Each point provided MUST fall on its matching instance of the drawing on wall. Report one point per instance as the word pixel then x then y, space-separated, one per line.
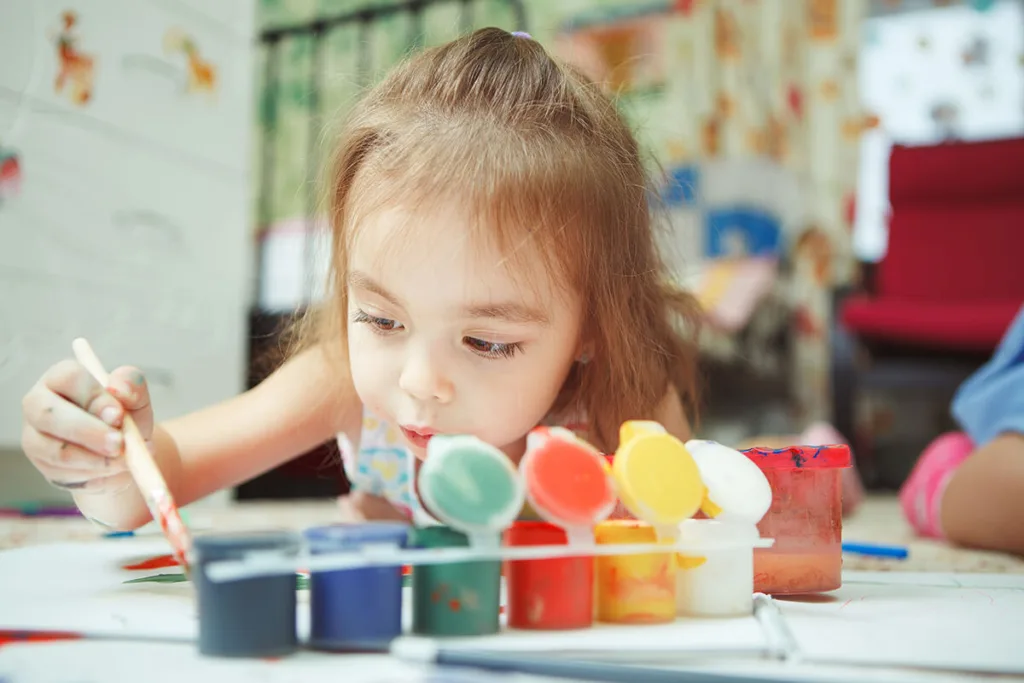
pixel 75 69
pixel 10 174
pixel 201 75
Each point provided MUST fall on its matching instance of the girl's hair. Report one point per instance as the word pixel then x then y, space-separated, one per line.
pixel 551 171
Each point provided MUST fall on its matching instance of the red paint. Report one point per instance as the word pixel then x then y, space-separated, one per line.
pixel 158 562
pixel 567 480
pixel 551 594
pixel 800 457
pixel 8 637
pixel 454 605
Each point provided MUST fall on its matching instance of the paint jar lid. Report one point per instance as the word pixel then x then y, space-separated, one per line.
pixel 469 485
pixel 736 488
pixel 217 547
pixel 833 456
pixel 658 481
pixel 337 537
pixel 568 482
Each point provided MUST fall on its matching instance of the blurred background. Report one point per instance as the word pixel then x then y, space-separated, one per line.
pixel 842 186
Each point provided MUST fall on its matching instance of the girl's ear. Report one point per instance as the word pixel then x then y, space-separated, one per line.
pixel 584 352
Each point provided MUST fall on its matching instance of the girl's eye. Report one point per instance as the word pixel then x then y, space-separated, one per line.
pixel 492 349
pixel 378 324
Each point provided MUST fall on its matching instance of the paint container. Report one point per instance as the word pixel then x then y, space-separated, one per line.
pixel 355 609
pixel 718 582
pixel 458 598
pixel 656 478
pixel 634 589
pixel 470 486
pixel 252 617
pixel 805 519
pixel 568 482
pixel 551 594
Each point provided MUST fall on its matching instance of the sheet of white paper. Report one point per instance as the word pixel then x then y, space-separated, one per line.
pixel 899 624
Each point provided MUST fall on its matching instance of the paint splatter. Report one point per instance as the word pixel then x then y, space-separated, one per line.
pixel 160 578
pixel 8 637
pixel 454 605
pixel 157 562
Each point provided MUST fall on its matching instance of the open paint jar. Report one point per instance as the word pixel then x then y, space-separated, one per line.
pixel 355 609
pixel 718 582
pixel 454 599
pixel 805 519
pixel 634 589
pixel 549 594
pixel 253 617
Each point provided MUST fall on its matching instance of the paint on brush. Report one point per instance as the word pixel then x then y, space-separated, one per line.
pixel 252 617
pixel 356 609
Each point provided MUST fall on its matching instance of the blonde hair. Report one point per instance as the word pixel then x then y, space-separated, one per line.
pixel 545 161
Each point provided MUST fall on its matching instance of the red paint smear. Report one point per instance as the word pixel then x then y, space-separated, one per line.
pixel 8 637
pixel 454 605
pixel 158 562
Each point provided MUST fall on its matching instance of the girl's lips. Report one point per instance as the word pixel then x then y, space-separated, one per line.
pixel 418 437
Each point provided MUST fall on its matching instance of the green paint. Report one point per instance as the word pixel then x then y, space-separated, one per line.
pixel 301 582
pixel 457 599
pixel 473 487
pixel 177 577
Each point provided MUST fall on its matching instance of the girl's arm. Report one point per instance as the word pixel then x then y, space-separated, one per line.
pixel 298 407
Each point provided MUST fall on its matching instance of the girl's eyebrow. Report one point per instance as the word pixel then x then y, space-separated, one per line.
pixel 360 280
pixel 508 311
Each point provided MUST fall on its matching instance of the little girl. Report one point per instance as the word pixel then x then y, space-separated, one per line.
pixel 968 487
pixel 493 268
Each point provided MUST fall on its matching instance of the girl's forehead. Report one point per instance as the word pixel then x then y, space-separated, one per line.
pixel 442 247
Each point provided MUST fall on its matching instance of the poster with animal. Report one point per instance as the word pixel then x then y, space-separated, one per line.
pixel 200 74
pixel 75 67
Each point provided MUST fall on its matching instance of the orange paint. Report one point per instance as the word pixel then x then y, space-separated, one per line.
pixel 158 562
pixel 9 637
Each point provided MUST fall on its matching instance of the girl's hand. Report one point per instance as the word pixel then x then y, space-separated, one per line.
pixel 71 426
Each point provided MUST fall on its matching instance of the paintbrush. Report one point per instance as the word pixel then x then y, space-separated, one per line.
pixel 143 468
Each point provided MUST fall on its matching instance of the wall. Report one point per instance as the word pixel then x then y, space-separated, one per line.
pixel 124 198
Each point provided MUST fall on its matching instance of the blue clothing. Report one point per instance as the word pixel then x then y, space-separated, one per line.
pixel 991 401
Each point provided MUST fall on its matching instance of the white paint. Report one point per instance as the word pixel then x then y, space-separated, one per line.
pixel 735 483
pixel 723 586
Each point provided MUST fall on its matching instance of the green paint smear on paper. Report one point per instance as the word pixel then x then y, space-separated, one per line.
pixel 301 582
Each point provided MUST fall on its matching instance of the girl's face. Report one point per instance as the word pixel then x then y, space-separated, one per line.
pixel 444 340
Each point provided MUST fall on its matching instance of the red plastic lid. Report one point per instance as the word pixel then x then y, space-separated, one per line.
pixel 800 457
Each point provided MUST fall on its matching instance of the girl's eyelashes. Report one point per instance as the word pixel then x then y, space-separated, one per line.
pixel 492 349
pixel 481 347
pixel 378 324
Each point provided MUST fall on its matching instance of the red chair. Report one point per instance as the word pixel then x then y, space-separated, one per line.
pixel 935 307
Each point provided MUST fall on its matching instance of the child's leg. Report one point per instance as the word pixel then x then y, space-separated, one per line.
pixel 921 494
pixel 983 503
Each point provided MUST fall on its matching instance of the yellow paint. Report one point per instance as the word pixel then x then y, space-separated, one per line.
pixel 689 561
pixel 708 506
pixel 657 478
pixel 633 589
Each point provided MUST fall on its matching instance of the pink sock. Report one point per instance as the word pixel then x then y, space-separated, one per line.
pixel 921 493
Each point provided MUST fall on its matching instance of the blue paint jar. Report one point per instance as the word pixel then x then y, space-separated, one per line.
pixel 252 617
pixel 355 609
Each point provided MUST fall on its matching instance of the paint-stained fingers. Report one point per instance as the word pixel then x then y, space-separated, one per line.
pixel 129 386
pixel 44 449
pixel 53 415
pixel 72 381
